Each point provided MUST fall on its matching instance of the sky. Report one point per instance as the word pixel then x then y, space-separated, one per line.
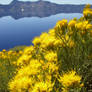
pixel 55 1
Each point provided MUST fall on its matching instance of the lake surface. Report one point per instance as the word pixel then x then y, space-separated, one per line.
pixel 22 31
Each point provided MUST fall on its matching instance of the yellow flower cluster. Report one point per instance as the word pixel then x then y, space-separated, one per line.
pixel 87 11
pixel 41 64
pixel 7 66
pixel 72 23
pixel 11 55
pixel 34 74
pixel 47 40
pixel 30 78
pixel 51 57
pixel 70 79
pixel 43 87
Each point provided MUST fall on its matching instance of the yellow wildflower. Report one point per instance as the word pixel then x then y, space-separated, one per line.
pixel 52 67
pixel 70 79
pixel 51 56
pixel 87 12
pixel 24 59
pixel 48 41
pixel 18 85
pixel 72 23
pixel 43 35
pixel 4 50
pixel 43 87
pixel 89 26
pixel 36 41
pixel 81 25
pixel 29 50
pixel 62 23
pixel 10 52
pixel 52 32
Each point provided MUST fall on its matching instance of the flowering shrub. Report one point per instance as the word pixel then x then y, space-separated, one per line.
pixel 55 62
pixel 59 60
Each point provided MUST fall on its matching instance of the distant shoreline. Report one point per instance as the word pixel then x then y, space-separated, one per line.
pixel 20 9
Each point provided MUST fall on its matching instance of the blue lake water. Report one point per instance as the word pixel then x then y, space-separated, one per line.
pixel 22 31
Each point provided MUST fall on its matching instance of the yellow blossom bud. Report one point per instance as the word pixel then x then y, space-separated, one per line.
pixel 72 23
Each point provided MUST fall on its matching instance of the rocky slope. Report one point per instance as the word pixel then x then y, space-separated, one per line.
pixel 18 9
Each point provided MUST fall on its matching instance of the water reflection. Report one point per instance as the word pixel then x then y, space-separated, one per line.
pixel 21 32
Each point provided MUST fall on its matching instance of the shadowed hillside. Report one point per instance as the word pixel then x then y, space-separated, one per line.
pixel 19 9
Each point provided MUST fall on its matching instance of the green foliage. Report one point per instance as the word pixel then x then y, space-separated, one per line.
pixel 18 48
pixel 7 68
